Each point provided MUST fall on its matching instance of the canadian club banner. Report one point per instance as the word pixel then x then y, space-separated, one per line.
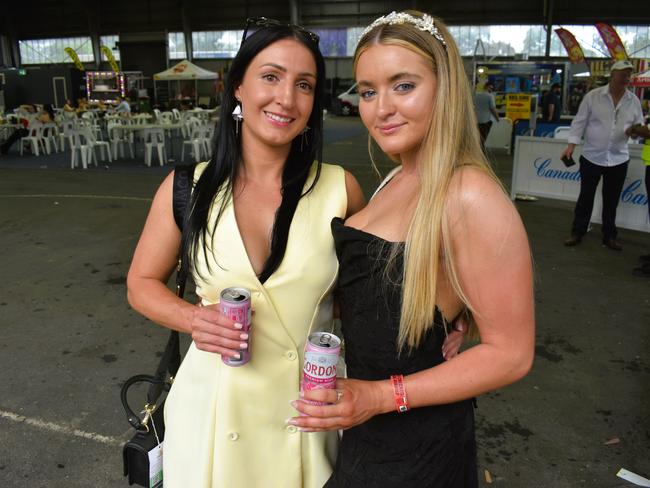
pixel 612 41
pixel 110 58
pixel 571 45
pixel 75 59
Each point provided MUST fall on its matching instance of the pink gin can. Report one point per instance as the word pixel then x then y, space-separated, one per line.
pixel 235 303
pixel 321 358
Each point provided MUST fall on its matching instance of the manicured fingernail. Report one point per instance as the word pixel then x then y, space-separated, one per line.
pixel 243 337
pixel 236 356
pixel 292 422
pixel 294 404
pixel 304 429
pixel 243 345
pixel 302 394
pixel 238 326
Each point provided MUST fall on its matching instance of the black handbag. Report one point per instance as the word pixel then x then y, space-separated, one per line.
pixel 144 447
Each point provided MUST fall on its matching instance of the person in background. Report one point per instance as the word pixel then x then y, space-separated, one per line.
pixel 643 131
pixel 123 107
pixel 603 118
pixel 28 111
pixel 46 115
pixel 440 239
pixel 551 104
pixel 82 105
pixel 486 112
pixel 68 107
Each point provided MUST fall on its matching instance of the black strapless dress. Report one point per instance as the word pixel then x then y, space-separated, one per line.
pixel 429 447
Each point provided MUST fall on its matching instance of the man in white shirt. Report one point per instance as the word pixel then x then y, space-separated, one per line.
pixel 603 118
pixel 485 111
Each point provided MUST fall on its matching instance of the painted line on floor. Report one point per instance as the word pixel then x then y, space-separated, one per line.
pixel 109 197
pixel 61 429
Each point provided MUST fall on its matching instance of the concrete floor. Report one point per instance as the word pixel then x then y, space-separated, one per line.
pixel 68 338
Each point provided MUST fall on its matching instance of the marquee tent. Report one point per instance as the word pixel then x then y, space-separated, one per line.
pixel 184 71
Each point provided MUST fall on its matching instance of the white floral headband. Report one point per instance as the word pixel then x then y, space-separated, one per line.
pixel 425 23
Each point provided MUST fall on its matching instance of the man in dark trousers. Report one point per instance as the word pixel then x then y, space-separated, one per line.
pixel 603 118
pixel 551 104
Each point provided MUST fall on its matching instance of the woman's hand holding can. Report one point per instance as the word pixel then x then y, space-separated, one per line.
pixel 213 331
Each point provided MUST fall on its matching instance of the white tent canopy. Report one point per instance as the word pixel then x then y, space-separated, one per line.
pixel 185 71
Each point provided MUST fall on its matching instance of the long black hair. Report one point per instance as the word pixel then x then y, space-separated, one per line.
pixel 221 172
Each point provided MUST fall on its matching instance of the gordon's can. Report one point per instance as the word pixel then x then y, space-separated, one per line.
pixel 235 303
pixel 321 358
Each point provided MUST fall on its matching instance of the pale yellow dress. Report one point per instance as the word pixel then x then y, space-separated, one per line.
pixel 225 426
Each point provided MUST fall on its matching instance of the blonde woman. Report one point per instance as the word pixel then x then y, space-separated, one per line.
pixel 440 239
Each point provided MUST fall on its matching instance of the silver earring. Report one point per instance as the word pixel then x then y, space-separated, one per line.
pixel 238 116
pixel 303 138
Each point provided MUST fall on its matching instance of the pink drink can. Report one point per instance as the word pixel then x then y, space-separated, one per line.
pixel 235 303
pixel 321 358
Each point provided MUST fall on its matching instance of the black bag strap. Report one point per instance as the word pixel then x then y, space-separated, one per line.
pixel 183 176
pixel 171 358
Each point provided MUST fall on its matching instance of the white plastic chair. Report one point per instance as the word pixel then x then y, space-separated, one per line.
pixel 119 138
pixel 195 141
pixel 80 146
pixel 34 140
pixel 66 126
pixel 154 138
pixel 207 135
pixel 92 141
pixel 50 136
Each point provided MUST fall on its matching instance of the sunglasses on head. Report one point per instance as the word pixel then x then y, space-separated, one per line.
pixel 253 24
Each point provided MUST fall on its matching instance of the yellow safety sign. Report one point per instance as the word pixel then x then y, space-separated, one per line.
pixel 518 106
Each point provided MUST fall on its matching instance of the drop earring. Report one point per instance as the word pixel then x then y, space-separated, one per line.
pixel 238 116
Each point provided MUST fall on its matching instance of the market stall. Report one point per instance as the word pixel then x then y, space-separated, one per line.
pixel 106 86
pixel 184 71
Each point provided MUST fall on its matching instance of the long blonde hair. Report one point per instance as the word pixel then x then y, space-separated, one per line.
pixel 452 141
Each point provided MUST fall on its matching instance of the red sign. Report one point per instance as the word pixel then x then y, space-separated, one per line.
pixel 571 45
pixel 612 41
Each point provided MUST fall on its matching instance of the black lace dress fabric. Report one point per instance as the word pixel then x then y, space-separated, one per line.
pixel 429 447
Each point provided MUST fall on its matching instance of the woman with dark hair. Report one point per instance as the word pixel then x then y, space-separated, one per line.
pixel 46 115
pixel 259 218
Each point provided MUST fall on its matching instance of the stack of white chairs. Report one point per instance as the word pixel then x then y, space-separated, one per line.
pixel 156 115
pixel 154 138
pixel 206 139
pixel 67 126
pixel 196 140
pixel 81 148
pixel 33 140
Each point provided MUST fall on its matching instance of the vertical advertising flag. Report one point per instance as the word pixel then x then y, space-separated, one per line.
pixel 573 49
pixel 612 41
pixel 75 59
pixel 110 58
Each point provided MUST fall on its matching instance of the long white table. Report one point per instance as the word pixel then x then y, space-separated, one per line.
pixel 537 170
